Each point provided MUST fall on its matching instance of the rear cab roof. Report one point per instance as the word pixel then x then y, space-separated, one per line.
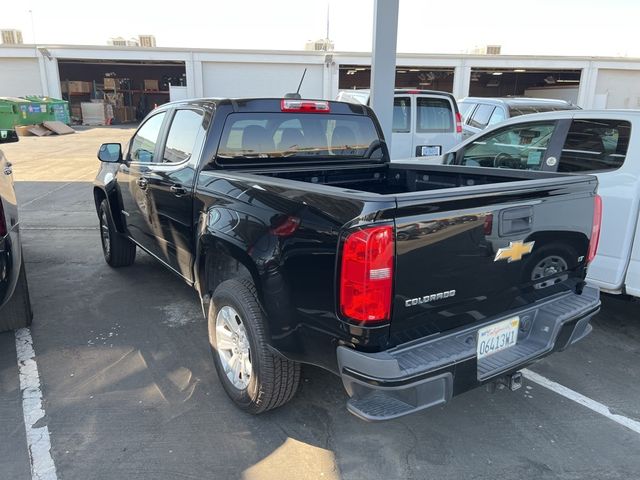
pixel 268 104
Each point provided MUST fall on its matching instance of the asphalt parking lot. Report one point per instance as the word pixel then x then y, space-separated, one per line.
pixel 130 391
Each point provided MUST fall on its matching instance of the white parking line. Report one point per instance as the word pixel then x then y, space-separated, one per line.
pixel 46 194
pixel 38 441
pixel 582 400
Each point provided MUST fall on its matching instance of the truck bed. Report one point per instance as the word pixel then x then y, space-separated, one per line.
pixel 450 222
pixel 400 178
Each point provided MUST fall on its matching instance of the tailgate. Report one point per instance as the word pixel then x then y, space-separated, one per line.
pixel 466 255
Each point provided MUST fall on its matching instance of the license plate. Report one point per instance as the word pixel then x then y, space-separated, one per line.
pixel 497 337
pixel 430 150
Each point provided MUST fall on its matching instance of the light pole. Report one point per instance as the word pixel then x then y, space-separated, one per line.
pixel 33 28
pixel 383 62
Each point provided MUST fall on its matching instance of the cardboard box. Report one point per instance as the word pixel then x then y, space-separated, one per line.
pixel 111 83
pixel 151 85
pixel 124 114
pixel 75 86
pixel 24 130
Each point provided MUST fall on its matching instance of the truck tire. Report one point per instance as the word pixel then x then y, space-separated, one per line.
pixel 17 312
pixel 254 377
pixel 118 250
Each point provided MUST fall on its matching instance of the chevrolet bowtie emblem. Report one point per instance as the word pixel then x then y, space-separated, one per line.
pixel 514 252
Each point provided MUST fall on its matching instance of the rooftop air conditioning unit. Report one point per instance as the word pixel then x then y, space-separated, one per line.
pixel 147 41
pixel 11 37
pixel 118 42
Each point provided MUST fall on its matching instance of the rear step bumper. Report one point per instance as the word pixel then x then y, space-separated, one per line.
pixel 429 372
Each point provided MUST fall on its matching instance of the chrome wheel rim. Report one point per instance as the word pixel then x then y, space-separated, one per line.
pixel 546 267
pixel 104 233
pixel 232 345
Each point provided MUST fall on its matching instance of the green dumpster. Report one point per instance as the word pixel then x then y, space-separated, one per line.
pixel 14 111
pixel 36 111
pixel 51 108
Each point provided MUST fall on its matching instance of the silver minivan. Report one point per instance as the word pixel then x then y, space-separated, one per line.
pixel 426 123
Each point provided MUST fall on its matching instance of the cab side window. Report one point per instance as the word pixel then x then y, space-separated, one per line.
pixel 186 127
pixel 595 145
pixel 520 146
pixel 143 144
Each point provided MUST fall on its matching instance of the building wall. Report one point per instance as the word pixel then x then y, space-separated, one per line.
pixel 618 89
pixel 570 94
pixel 228 79
pixel 604 82
pixel 19 77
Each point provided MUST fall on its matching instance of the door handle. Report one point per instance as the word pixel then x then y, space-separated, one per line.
pixel 516 220
pixel 143 183
pixel 178 190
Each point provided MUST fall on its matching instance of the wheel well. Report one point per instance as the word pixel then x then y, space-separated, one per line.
pixel 218 264
pixel 578 241
pixel 98 196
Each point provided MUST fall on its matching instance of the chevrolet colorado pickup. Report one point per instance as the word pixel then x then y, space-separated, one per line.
pixel 413 283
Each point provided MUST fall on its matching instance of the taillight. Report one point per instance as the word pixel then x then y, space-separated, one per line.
pixel 595 228
pixel 3 223
pixel 294 105
pixel 458 122
pixel 366 274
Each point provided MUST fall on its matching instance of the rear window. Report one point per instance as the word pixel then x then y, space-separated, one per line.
pixel 401 115
pixel 595 145
pixel 517 110
pixel 434 115
pixel 260 136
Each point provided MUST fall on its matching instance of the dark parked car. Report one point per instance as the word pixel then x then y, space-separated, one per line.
pixel 479 112
pixel 15 306
pixel 307 245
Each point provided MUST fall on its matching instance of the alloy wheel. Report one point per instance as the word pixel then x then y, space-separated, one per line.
pixel 232 345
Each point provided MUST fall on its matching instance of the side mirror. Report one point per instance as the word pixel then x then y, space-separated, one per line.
pixel 110 153
pixel 8 136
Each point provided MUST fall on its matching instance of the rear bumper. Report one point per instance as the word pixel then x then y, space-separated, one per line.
pixel 430 372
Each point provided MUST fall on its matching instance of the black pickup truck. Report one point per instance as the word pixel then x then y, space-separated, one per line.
pixel 413 283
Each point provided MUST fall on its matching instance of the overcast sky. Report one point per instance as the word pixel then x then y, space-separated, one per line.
pixel 544 27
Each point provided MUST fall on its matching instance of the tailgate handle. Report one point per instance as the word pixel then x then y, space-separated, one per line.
pixel 516 220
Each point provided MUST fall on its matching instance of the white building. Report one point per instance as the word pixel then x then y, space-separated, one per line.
pixel 591 81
